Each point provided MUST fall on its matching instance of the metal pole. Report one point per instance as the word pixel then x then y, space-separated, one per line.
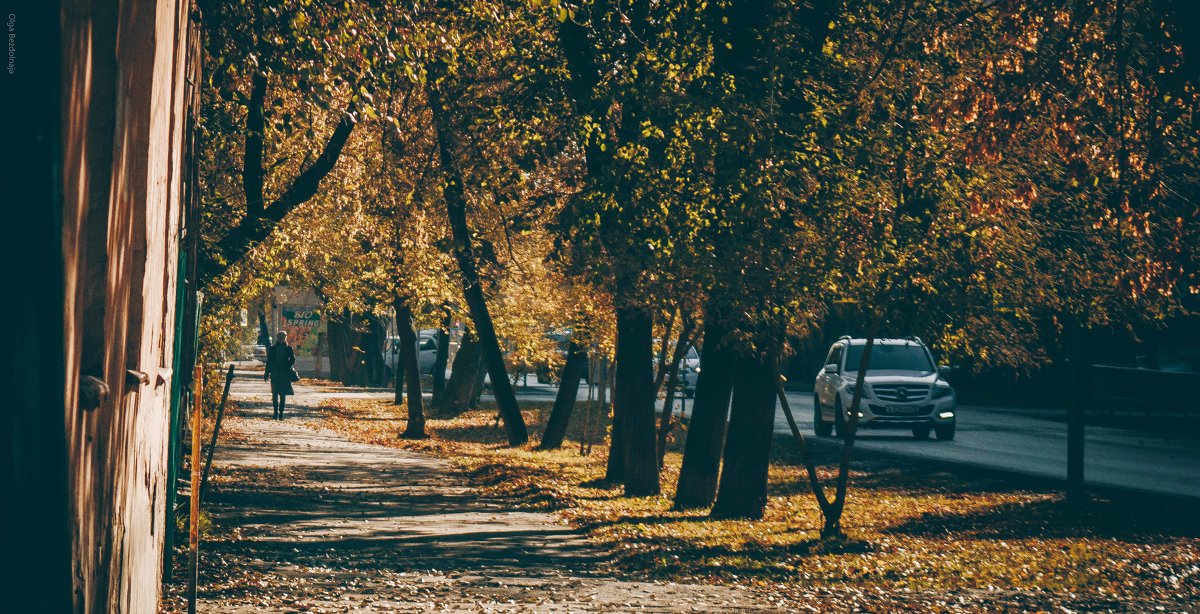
pixel 1076 495
pixel 194 532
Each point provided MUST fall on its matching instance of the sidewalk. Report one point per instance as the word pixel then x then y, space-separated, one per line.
pixel 307 521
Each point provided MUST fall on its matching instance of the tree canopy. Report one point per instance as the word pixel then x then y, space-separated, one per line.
pixel 980 173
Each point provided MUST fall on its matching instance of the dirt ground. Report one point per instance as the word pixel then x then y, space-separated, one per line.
pixel 304 520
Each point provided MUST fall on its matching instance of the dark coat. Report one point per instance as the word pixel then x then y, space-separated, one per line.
pixel 280 361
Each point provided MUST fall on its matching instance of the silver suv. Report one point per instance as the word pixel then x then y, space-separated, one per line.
pixel 902 389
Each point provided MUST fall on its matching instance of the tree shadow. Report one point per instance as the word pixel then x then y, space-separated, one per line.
pixel 600 484
pixel 1144 519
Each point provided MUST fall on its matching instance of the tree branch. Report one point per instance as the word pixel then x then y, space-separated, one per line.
pixel 252 158
pixel 254 229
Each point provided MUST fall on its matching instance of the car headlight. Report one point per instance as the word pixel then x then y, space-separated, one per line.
pixel 942 391
pixel 850 389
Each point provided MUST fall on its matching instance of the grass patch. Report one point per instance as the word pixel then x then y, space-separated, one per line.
pixel 912 524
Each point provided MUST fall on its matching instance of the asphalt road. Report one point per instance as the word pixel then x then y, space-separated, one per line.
pixel 1023 442
pixel 1019 441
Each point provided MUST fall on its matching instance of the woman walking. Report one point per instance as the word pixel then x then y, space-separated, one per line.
pixel 281 361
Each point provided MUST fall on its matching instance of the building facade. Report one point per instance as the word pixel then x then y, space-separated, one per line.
pixel 129 72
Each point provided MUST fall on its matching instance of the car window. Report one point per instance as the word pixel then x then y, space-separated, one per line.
pixel 693 354
pixel 835 356
pixel 428 344
pixel 891 357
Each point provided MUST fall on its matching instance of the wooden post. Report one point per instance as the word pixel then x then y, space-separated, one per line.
pixel 212 447
pixel 194 524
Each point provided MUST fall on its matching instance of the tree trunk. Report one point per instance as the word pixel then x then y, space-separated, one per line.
pixel 409 362
pixel 665 422
pixel 564 402
pixel 340 354
pixel 264 335
pixel 441 358
pixel 634 394
pixel 832 527
pixel 261 219
pixel 373 343
pixel 456 212
pixel 477 390
pixel 463 375
pixel 743 486
pixel 706 430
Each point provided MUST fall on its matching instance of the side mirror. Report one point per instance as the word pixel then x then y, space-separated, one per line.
pixel 944 370
pixel 831 369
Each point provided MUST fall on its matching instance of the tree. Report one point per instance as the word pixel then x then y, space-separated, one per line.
pixel 762 151
pixel 630 231
pixel 258 55
pixel 492 135
pixel 415 428
pixel 706 431
pixel 456 211
pixel 564 400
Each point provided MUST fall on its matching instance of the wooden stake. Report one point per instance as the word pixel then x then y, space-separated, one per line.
pixel 212 447
pixel 194 524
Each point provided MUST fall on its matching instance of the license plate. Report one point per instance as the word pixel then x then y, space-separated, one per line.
pixel 903 409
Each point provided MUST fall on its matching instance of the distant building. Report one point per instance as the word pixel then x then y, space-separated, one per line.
pixel 298 311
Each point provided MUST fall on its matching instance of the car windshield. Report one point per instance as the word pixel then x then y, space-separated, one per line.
pixel 693 354
pixel 891 357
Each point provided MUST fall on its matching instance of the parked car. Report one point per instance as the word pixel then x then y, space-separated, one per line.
pixel 253 351
pixel 689 368
pixel 426 353
pixel 902 389
pixel 690 372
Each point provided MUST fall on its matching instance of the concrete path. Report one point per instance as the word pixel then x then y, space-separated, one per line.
pixel 307 521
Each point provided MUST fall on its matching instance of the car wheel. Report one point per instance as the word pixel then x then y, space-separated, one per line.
pixel 839 420
pixel 921 432
pixel 820 426
pixel 945 432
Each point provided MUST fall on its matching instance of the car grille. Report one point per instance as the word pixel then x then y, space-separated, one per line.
pixel 900 392
pixel 910 410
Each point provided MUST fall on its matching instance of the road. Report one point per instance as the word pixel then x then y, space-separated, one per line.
pixel 1022 442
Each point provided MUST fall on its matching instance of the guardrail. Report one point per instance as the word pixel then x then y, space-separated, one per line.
pixel 1130 389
